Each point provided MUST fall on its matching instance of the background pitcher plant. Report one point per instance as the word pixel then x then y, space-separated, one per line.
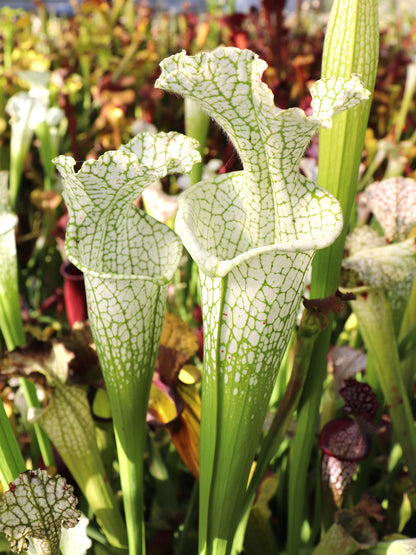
pixel 253 234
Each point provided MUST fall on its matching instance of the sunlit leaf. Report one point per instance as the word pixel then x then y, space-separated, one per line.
pixel 178 335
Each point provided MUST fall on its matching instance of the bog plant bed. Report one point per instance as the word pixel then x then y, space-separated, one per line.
pixel 208 331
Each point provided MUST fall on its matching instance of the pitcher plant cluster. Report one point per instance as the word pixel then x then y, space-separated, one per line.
pixel 251 236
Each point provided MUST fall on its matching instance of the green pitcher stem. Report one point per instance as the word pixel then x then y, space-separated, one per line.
pixel 234 397
pixel 11 459
pixel 408 364
pixel 32 401
pixel 350 47
pixel 196 125
pixel 69 424
pixel 376 325
pixel 129 420
pixel 128 380
pixel 47 153
pixel 11 324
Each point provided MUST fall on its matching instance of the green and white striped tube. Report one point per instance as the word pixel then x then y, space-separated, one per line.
pixel 252 234
pixel 127 259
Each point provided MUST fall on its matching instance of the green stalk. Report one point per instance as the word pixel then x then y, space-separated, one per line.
pixel 376 325
pixel 191 511
pixel 304 441
pixel 32 401
pixel 20 141
pixel 68 422
pixel 8 28
pixel 11 324
pixel 103 424
pixel 311 325
pixel 409 92
pixel 47 153
pixel 407 337
pixel 11 461
pixel 129 409
pixel 26 110
pixel 196 126
pixel 351 47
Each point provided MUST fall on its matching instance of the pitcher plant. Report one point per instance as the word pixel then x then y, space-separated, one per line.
pixel 253 234
pixel 127 259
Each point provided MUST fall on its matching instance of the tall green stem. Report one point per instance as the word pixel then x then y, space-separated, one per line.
pixel 196 126
pixel 11 460
pixel 11 324
pixel 376 326
pixel 68 422
pixel 351 47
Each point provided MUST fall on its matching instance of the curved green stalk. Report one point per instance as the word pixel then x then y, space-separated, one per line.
pixel 376 326
pixel 382 272
pixel 350 47
pixel 127 259
pixel 253 235
pixel 44 446
pixel 11 459
pixel 196 125
pixel 408 336
pixel 409 92
pixel 47 134
pixel 11 324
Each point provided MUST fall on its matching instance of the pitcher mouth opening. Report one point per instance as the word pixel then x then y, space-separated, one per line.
pixel 160 278
pixel 69 271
